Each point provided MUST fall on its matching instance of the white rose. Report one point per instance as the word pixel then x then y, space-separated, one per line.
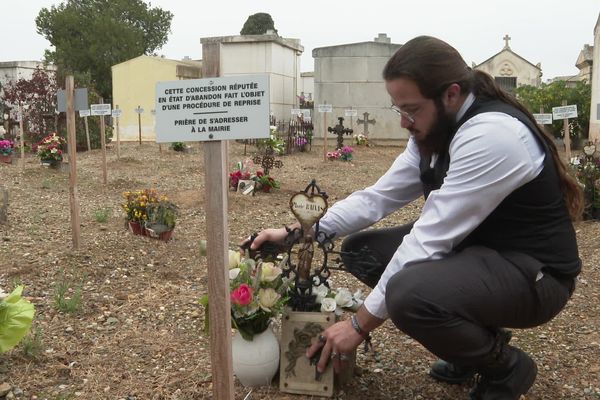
pixel 234 259
pixel 233 273
pixel 267 298
pixel 269 272
pixel 328 305
pixel 343 298
pixel 321 292
pixel 358 298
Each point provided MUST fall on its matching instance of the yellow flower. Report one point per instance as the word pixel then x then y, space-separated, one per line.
pixel 267 298
pixel 269 272
pixel 234 259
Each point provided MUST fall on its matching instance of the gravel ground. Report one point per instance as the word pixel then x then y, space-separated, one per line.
pixel 139 333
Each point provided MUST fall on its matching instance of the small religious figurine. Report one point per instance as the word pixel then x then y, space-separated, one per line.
pixel 305 256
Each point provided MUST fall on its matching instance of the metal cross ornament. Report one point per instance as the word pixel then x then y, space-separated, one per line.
pixel 340 131
pixel 267 162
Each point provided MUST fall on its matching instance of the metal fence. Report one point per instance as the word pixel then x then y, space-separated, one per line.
pixel 296 135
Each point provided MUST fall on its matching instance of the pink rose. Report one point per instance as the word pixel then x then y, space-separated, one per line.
pixel 242 295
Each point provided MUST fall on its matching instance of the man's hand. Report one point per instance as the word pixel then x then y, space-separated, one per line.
pixel 336 344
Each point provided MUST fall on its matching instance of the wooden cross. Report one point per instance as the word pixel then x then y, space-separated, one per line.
pixel 506 39
pixel 340 131
pixel 366 121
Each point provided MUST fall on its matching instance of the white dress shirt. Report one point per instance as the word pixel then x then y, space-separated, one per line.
pixel 491 155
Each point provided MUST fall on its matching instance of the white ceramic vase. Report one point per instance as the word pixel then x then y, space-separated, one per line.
pixel 255 362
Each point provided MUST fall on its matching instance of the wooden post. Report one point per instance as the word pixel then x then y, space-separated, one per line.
pixel 103 145
pixel 22 136
pixel 325 135
pixel 71 140
pixel 87 133
pixel 215 156
pixel 118 137
pixel 567 135
pixel 140 125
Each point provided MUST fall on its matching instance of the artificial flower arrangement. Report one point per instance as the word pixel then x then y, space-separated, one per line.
pixel 265 182
pixel 241 172
pixel 258 293
pixel 6 147
pixel 336 300
pixel 16 316
pixel 300 142
pixel 273 144
pixel 344 154
pixel 361 140
pixel 136 204
pixel 50 148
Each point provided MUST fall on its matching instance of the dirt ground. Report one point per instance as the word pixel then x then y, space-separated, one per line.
pixel 139 334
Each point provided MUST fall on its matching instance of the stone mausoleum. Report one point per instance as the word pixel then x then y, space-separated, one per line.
pixel 348 76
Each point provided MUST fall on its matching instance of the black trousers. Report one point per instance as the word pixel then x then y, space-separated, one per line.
pixel 454 306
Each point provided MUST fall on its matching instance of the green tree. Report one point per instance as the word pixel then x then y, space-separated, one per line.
pixel 552 95
pixel 90 36
pixel 258 24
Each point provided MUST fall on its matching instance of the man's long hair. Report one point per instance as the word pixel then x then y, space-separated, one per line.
pixel 434 65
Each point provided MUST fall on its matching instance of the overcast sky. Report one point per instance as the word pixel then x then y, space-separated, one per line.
pixel 551 32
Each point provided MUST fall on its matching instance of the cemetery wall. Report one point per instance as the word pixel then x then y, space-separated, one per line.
pixel 595 104
pixel 349 76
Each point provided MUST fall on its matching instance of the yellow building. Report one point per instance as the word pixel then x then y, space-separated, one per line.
pixel 134 85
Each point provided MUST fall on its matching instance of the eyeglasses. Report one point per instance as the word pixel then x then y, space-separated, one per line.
pixel 410 117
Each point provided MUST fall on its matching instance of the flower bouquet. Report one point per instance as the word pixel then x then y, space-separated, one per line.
pixel 240 173
pixel 336 300
pixel 346 153
pixel 300 142
pixel 160 220
pixel 257 293
pixel 136 208
pixel 361 140
pixel 265 182
pixel 6 149
pixel 50 149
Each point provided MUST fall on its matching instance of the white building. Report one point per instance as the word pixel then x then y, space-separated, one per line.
pixel 269 54
pixel 349 76
pixel 510 70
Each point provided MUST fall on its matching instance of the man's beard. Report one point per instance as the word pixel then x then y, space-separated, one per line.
pixel 436 140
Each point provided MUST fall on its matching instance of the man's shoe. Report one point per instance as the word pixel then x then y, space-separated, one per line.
pixel 507 378
pixel 444 371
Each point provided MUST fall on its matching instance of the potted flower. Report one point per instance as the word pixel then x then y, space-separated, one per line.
pixel 160 220
pixel 300 142
pixel 257 292
pixel 50 150
pixel 136 208
pixel 178 146
pixel 266 182
pixel 6 150
pixel 346 153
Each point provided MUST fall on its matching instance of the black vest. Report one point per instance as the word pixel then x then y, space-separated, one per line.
pixel 532 221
